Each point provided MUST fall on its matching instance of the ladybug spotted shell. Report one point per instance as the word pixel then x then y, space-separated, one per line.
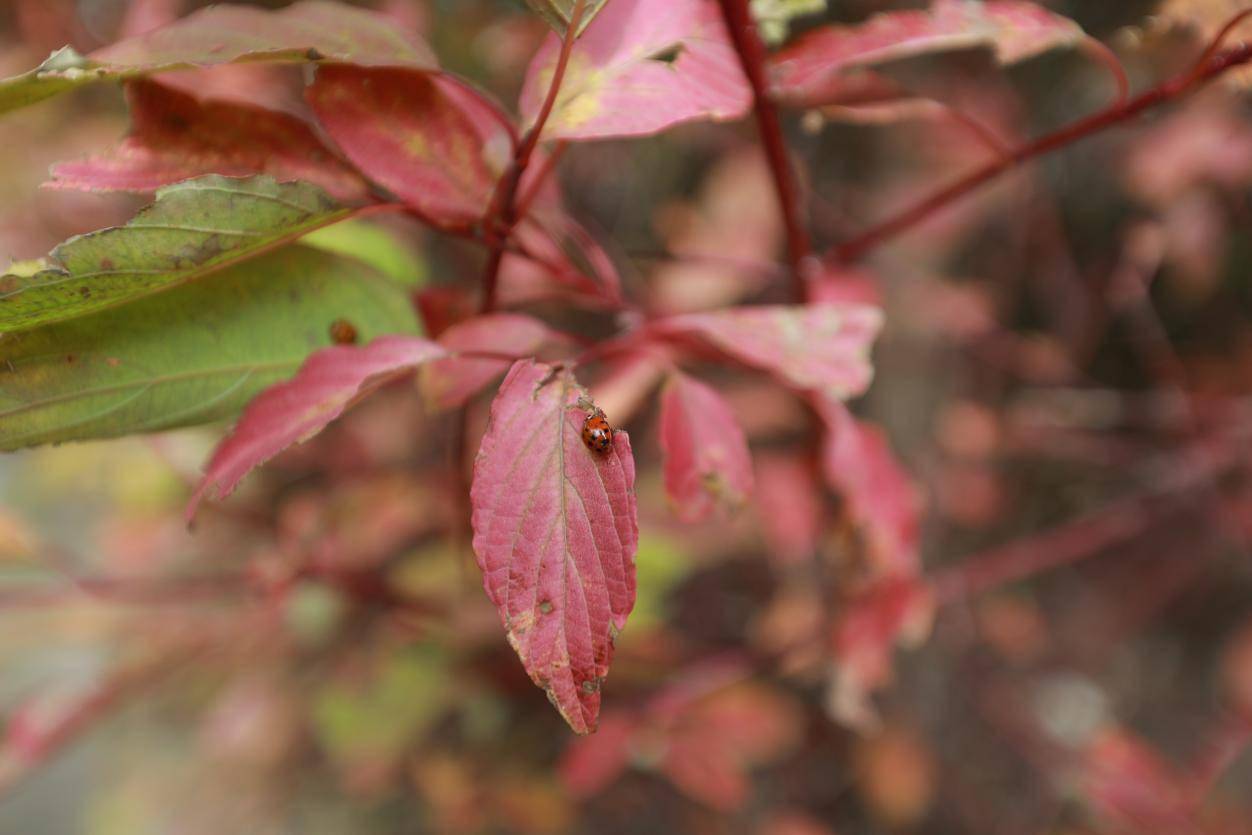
pixel 597 433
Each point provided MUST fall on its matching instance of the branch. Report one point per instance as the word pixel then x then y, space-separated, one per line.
pixel 747 42
pixel 1208 68
pixel 503 214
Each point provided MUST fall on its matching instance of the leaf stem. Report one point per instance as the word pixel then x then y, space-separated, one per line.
pixel 1211 66
pixel 503 214
pixel 751 51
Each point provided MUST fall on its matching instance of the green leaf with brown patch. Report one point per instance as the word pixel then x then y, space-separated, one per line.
pixel 194 228
pixel 195 354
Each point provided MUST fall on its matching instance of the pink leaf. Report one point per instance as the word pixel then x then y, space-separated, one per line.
pixel 789 502
pixel 818 67
pixel 1129 785
pixel 640 67
pixel 895 610
pixel 819 347
pixel 431 141
pixel 175 137
pixel 555 532
pixel 555 245
pixel 878 492
pixel 707 463
pixel 303 31
pixel 451 381
pixel 296 410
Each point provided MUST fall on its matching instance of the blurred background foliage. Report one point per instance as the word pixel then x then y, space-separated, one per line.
pixel 1073 343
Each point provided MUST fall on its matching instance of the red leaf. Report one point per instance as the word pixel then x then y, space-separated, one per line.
pixel 789 501
pixel 640 67
pixel 555 532
pixel 814 69
pixel 308 30
pixel 176 137
pixel 707 463
pixel 819 347
pixel 879 495
pixel 555 245
pixel 1128 784
pixel 450 382
pixel 592 763
pixel 897 610
pixel 429 140
pixel 293 411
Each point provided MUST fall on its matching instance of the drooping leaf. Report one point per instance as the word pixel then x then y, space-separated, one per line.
pixel 450 382
pixel 880 497
pixel 433 142
pixel 641 66
pixel 310 30
pixel 564 262
pixel 560 13
pixel 193 228
pixel 175 136
pixel 789 503
pixel 195 354
pixel 830 65
pixel 893 611
pixel 555 532
pixel 707 463
pixel 819 347
pixel 295 410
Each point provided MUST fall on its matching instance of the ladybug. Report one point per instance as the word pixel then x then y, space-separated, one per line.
pixel 597 434
pixel 343 332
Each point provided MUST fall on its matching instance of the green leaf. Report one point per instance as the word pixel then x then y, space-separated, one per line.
pixel 194 228
pixel 195 354
pixel 775 16
pixel 376 246
pixel 558 13
pixel 308 31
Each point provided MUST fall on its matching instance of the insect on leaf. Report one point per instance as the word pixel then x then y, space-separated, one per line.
pixel 555 533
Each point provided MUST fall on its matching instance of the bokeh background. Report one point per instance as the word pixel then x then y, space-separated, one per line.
pixel 1066 373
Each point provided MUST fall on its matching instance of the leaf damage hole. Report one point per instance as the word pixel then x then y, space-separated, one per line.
pixel 668 55
pixel 546 607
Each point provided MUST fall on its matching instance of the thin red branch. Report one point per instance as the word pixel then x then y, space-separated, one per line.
pixel 503 214
pixel 1208 69
pixel 747 41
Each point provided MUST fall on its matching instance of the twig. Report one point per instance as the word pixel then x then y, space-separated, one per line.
pixel 1206 70
pixel 503 214
pixel 747 42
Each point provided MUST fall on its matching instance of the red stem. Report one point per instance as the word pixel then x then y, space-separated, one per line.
pixel 503 214
pixel 1210 68
pixel 747 42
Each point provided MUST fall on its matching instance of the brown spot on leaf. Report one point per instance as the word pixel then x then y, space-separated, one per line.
pixel 343 332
